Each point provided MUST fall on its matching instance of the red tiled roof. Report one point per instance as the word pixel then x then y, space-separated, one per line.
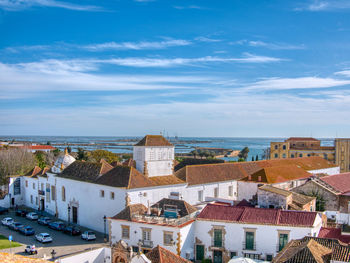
pixel 333 233
pixel 39 147
pixel 301 139
pixel 340 182
pixel 162 255
pixel 257 215
pixel 153 140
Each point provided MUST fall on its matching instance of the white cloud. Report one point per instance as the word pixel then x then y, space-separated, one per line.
pixel 345 73
pixel 207 39
pixel 317 5
pixel 296 83
pixel 275 46
pixel 188 7
pixel 18 5
pixel 138 45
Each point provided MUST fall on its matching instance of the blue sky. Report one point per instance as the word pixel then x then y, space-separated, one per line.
pixel 194 68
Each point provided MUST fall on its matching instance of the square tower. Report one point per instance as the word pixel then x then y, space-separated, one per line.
pixel 154 156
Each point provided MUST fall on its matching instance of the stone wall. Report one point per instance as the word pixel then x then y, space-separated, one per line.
pixel 310 188
pixel 267 199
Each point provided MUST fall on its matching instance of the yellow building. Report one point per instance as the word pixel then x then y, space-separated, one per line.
pixel 342 154
pixel 301 147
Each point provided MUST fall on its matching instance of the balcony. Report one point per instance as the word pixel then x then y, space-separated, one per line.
pixel 146 243
pixel 152 219
pixel 41 192
pixel 217 243
pixel 249 246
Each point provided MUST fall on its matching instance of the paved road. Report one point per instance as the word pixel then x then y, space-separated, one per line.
pixel 63 244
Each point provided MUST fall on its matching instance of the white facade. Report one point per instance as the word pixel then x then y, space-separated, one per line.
pixel 158 160
pixel 266 237
pixel 184 234
pixel 99 255
pixel 329 171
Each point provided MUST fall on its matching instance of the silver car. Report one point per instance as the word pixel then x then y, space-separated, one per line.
pixel 43 237
pixel 7 221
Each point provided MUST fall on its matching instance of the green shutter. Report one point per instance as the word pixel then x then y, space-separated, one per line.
pixel 199 252
pixel 249 240
pixel 217 238
pixel 283 240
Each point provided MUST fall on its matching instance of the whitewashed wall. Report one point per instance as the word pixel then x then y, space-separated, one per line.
pixel 99 255
pixel 246 190
pixel 329 171
pixel 266 236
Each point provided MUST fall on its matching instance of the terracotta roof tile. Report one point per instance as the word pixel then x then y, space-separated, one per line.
pixel 162 255
pixel 129 211
pixel 166 180
pixel 257 215
pixel 302 139
pixel 153 140
pixel 39 147
pixel 183 207
pixel 14 258
pixel 340 182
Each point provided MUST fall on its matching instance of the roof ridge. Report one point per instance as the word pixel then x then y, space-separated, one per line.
pixel 278 217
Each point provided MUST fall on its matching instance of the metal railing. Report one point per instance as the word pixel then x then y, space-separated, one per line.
pixel 249 246
pixel 151 219
pixel 146 243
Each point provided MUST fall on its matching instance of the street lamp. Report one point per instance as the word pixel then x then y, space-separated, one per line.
pixel 69 214
pixel 104 220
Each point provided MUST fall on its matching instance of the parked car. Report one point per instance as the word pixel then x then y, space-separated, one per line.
pixel 15 226
pixel 27 230
pixel 43 238
pixel 21 212
pixel 88 235
pixel 72 230
pixel 6 221
pixel 30 249
pixel 57 225
pixel 32 216
pixel 44 220
pixel 3 210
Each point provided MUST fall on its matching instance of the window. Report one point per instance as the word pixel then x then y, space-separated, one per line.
pixel 26 183
pixel 283 240
pixel 47 193
pixel 63 194
pixel 199 252
pixel 269 257
pixel 42 187
pixel 126 232
pixel 53 193
pixel 276 155
pixel 292 155
pixel 284 155
pixel 36 201
pixel 284 147
pixel 102 193
pixel 200 195
pixel 217 238
pixel 230 190
pixel 216 192
pixel 233 254
pixel 276 147
pixel 168 238
pixel 249 240
pixel 300 155
pixel 146 234
pixel 112 195
pixel 251 255
pixel 31 199
pixel 308 155
pixel 34 186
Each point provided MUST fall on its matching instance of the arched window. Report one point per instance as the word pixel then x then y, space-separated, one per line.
pixel 63 194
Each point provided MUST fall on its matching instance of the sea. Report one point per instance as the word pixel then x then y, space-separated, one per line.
pixel 124 144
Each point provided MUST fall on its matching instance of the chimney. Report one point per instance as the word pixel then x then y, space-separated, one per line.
pixel 259 178
pixel 249 177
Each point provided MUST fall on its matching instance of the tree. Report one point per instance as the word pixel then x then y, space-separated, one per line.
pixel 257 158
pixel 194 153
pixel 97 155
pixel 69 149
pixel 40 159
pixel 48 143
pixel 243 154
pixel 15 161
pixel 56 152
pixel 252 158
pixel 266 154
pixel 201 153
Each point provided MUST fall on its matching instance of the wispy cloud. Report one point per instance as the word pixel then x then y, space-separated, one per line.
pixel 207 39
pixel 317 5
pixel 345 73
pixel 138 45
pixel 19 5
pixel 188 7
pixel 296 83
pixel 275 46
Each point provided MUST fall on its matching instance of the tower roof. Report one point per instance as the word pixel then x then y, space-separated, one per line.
pixel 154 140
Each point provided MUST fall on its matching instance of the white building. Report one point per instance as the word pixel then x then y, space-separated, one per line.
pixel 222 232
pixel 168 223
